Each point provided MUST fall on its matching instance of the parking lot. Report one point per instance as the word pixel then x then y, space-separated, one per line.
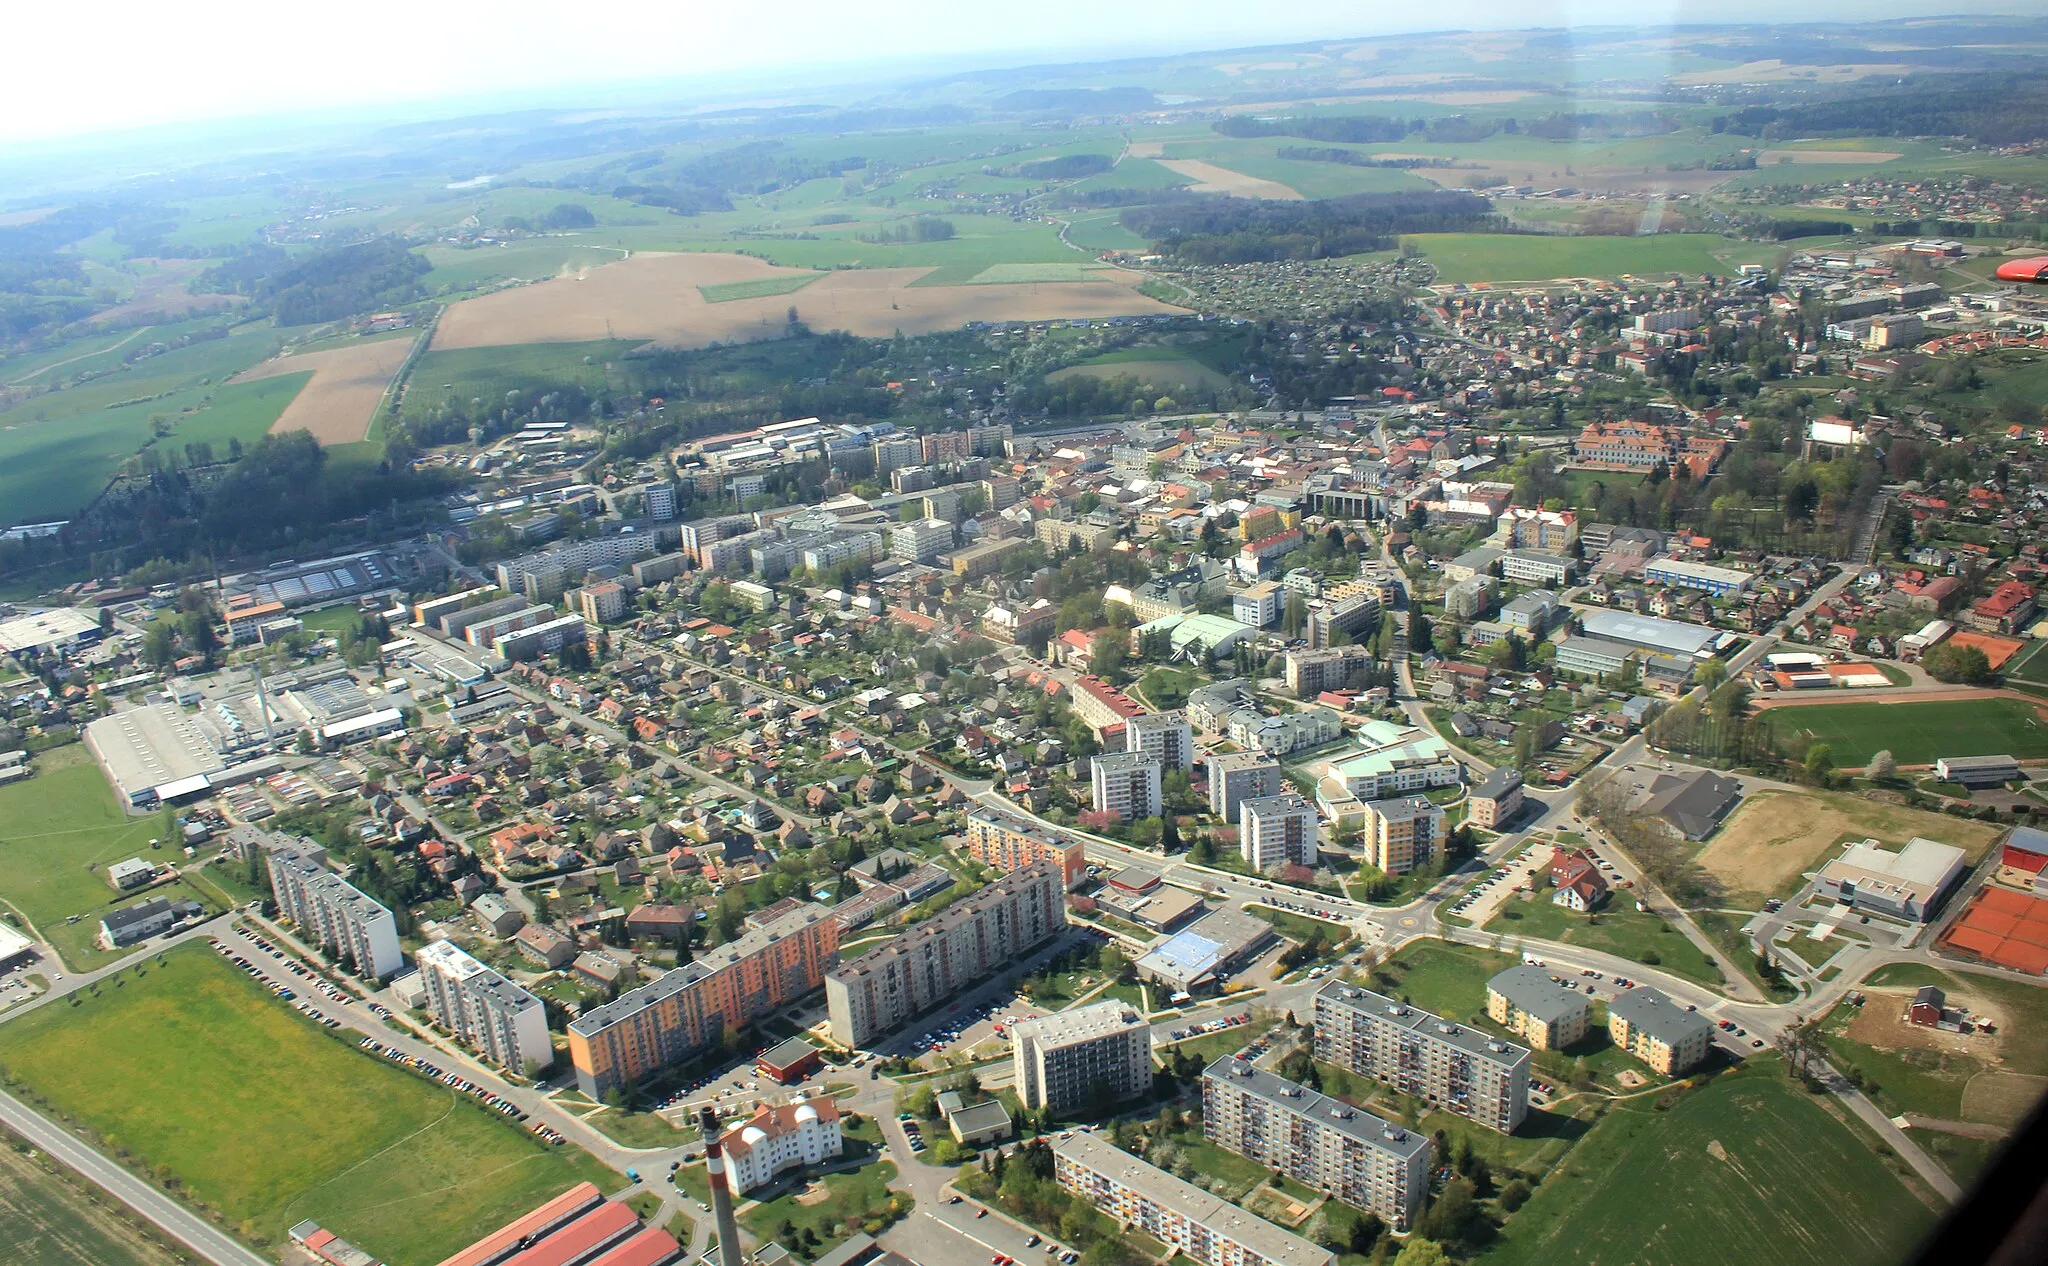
pixel 1483 899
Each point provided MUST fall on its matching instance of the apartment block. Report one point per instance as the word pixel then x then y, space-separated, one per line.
pixel 1402 834
pixel 1235 777
pixel 1649 1026
pixel 1207 1229
pixel 1064 1061
pixel 602 603
pixel 1258 606
pixel 1455 1068
pixel 698 1003
pixel 331 911
pixel 1311 672
pixel 896 452
pixel 1126 784
pixel 933 961
pixel 1358 1158
pixel 1526 1002
pixel 921 541
pixel 1005 843
pixel 1164 736
pixel 505 1024
pixel 1277 831
pixel 781 1137
pixel 1353 617
pixel 577 557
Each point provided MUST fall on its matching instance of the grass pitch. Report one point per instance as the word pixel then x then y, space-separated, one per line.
pixel 202 1077
pixel 1747 1168
pixel 1620 929
pixel 1919 733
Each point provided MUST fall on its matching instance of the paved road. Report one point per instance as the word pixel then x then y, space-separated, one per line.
pixel 172 1218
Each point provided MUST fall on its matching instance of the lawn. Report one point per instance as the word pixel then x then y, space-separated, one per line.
pixel 1469 257
pixel 199 1075
pixel 1211 1047
pixel 856 1198
pixel 239 411
pixel 50 1216
pixel 1441 976
pixel 1746 1169
pixel 1167 688
pixel 59 830
pixel 1918 733
pixel 760 287
pixel 1621 929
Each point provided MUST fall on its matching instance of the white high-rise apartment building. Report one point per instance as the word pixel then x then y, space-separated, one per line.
pixel 1126 784
pixel 505 1023
pixel 1164 736
pixel 331 912
pixel 1065 1060
pixel 1276 831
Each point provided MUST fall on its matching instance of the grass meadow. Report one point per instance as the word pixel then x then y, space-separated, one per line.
pixel 1620 929
pixel 1747 1168
pixel 1502 257
pixel 1918 733
pixel 201 1076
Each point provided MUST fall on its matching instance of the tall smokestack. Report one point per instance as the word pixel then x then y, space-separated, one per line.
pixel 721 1196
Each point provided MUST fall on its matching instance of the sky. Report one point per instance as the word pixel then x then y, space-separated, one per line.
pixel 116 65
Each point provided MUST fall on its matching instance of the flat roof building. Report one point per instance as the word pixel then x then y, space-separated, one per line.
pixel 1211 948
pixel 502 1021
pixel 141 750
pixel 1908 884
pixel 1459 1069
pixel 1277 831
pixel 1209 1230
pixel 1004 842
pixel 1333 1146
pixel 332 912
pixel 1668 1038
pixel 1100 1053
pixel 1235 777
pixel 1526 1002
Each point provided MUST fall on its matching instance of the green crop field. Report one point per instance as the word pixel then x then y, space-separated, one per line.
pixel 198 1073
pixel 50 1216
pixel 1747 1168
pixel 1621 929
pixel 239 411
pixel 485 374
pixel 59 830
pixel 727 291
pixel 1470 257
pixel 1918 733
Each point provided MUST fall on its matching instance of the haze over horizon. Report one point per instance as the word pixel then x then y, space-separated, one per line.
pixel 149 64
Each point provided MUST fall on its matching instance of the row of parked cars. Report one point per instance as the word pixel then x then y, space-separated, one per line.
pixel 1211 1026
pixel 456 1081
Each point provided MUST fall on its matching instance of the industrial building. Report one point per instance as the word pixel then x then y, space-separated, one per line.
pixel 1325 1143
pixel 1908 884
pixel 1198 959
pixel 690 1008
pixel 1453 1067
pixel 1207 1229
pixel 152 753
pixel 502 1021
pixel 933 961
pixel 577 1228
pixel 1094 1054
pixel 1716 581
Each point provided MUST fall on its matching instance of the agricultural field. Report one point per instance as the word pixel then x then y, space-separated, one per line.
pixel 657 298
pixel 1492 257
pixel 339 403
pixel 59 831
pixel 474 378
pixel 51 1216
pixel 1767 846
pixel 726 292
pixel 1746 1168
pixel 1618 929
pixel 407 1169
pixel 1918 733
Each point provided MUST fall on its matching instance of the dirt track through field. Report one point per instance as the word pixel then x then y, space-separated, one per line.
pixel 656 297
pixel 1213 179
pixel 341 399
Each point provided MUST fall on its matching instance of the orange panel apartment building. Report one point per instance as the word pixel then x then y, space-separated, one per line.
pixel 1004 843
pixel 693 1006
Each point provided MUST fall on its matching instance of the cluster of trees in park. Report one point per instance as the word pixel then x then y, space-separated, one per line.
pixel 2004 108
pixel 1212 229
pixel 327 285
pixel 398 880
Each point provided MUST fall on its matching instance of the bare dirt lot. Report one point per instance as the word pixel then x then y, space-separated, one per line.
pixel 656 297
pixel 1772 157
pixel 1777 836
pixel 337 405
pixel 1214 179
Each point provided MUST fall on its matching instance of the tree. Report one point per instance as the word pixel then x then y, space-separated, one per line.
pixel 1950 663
pixel 1107 653
pixel 1820 761
pixel 1366 1229
pixel 1295 613
pixel 1421 1252
pixel 1883 765
pixel 1514 1195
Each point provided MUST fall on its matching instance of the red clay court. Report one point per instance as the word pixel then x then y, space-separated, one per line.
pixel 2003 927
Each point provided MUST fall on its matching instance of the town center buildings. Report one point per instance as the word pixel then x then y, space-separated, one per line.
pixel 1458 1069
pixel 932 961
pixel 696 1004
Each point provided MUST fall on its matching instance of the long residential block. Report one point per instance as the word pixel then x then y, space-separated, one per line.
pixel 1453 1067
pixel 504 1022
pixel 1210 1230
pixel 933 961
pixel 696 1004
pixel 1330 1145
pixel 333 912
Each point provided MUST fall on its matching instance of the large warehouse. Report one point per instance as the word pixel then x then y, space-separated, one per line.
pixel 55 630
pixel 152 753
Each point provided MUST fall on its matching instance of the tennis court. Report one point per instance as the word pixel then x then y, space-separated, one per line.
pixel 2004 927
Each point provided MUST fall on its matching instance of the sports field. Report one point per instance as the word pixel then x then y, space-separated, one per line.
pixel 192 1067
pixel 50 1216
pixel 1766 847
pixel 1919 733
pixel 1472 257
pixel 1748 1169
